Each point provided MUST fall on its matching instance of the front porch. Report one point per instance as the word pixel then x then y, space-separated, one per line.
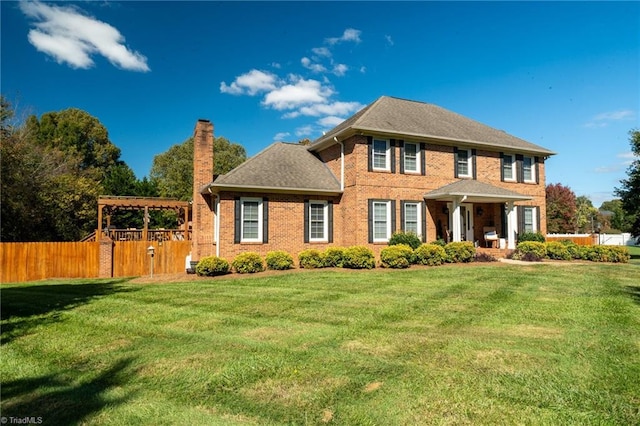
pixel 467 210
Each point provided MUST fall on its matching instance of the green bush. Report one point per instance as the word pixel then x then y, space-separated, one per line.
pixel 310 258
pixel 359 257
pixel 440 242
pixel 572 248
pixel 557 251
pixel 531 236
pixel 616 254
pixel 333 257
pixel 248 263
pixel 211 266
pixel 396 256
pixel 532 251
pixel 409 238
pixel 279 260
pixel 459 252
pixel 430 254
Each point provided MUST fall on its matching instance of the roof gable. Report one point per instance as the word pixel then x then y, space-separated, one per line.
pixel 420 120
pixel 280 167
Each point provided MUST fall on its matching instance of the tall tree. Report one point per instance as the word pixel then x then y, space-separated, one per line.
pixel 172 171
pixel 629 192
pixel 616 218
pixel 561 209
pixel 586 215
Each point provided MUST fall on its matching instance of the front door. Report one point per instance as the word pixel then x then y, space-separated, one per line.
pixel 466 222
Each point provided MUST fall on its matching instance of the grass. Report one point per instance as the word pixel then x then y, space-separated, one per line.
pixel 634 251
pixel 481 344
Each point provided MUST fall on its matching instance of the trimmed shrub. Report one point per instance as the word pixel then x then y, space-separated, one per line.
pixel 211 266
pixel 359 257
pixel 279 260
pixel 460 252
pixel 531 251
pixel 531 236
pixel 310 258
pixel 430 254
pixel 616 254
pixel 408 238
pixel 440 242
pixel 396 256
pixel 572 248
pixel 333 257
pixel 248 263
pixel 557 251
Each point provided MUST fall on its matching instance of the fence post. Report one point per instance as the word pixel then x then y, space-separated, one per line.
pixel 106 257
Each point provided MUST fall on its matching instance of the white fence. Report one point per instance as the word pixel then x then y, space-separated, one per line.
pixel 624 239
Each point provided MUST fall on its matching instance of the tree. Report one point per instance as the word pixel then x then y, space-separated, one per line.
pixel 172 171
pixel 615 218
pixel 629 192
pixel 561 209
pixel 585 215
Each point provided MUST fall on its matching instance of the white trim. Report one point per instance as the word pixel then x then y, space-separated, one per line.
pixel 244 200
pixel 418 205
pixel 325 221
pixel 387 155
pixel 418 162
pixel 533 169
pixel 469 163
pixel 514 176
pixel 387 205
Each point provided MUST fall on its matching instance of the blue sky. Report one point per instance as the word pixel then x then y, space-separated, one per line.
pixel 562 75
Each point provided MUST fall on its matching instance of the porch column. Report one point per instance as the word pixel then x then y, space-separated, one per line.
pixel 511 225
pixel 456 225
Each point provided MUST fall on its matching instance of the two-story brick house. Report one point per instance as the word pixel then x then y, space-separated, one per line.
pixel 395 165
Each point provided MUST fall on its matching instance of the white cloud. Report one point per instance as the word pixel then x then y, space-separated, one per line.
pixel 281 136
pixel 330 121
pixel 276 65
pixel 304 130
pixel 334 108
pixel 389 40
pixel 606 118
pixel 250 83
pixel 302 92
pixel 321 51
pixel 315 67
pixel 350 34
pixel 340 69
pixel 71 37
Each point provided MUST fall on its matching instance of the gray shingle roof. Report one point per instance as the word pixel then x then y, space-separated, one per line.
pixel 394 116
pixel 475 192
pixel 280 167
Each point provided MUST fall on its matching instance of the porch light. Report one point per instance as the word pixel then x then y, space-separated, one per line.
pixel 479 211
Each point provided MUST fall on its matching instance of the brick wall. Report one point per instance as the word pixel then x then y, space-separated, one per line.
pixel 350 225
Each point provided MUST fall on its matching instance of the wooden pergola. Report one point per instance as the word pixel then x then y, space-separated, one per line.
pixel 113 203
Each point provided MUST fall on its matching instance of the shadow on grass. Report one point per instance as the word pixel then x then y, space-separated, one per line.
pixel 26 306
pixel 56 400
pixel 634 292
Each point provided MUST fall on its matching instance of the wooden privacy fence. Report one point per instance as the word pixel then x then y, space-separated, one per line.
pixel 21 262
pixel 36 261
pixel 580 239
pixel 130 258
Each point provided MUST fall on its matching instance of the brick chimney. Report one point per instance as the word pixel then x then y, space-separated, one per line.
pixel 202 216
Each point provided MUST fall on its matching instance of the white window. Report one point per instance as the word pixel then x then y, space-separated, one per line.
pixel 381 221
pixel 413 218
pixel 251 220
pixel 318 223
pixel 381 155
pixel 529 219
pixel 528 169
pixel 464 165
pixel 412 157
pixel 508 171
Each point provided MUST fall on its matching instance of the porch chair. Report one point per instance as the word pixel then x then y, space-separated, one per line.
pixel 490 235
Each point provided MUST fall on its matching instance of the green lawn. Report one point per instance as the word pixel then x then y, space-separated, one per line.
pixel 634 251
pixel 481 344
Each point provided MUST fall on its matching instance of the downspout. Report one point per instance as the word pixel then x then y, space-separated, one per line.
pixel 216 221
pixel 341 163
